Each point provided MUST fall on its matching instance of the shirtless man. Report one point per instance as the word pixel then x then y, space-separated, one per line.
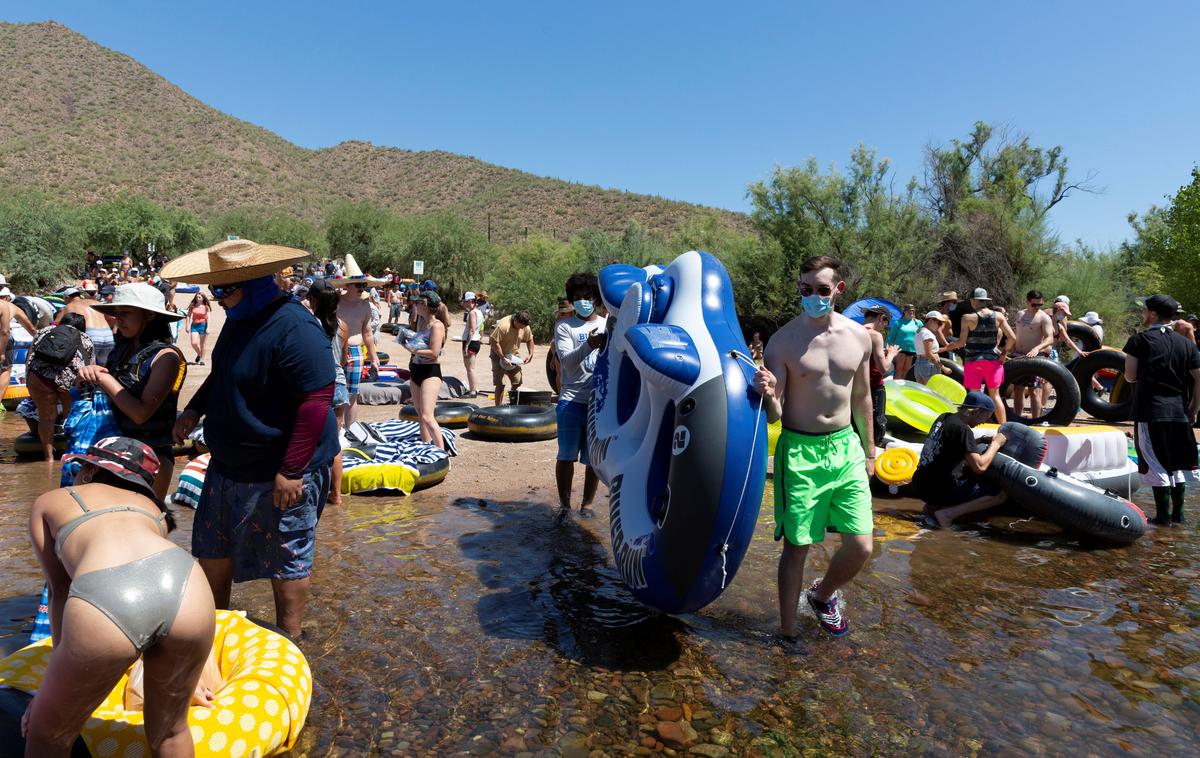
pixel 1035 337
pixel 97 325
pixel 816 379
pixel 9 313
pixel 355 310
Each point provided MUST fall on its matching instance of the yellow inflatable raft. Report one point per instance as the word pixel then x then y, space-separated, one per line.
pixel 259 711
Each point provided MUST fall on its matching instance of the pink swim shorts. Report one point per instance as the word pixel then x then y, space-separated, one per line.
pixel 976 373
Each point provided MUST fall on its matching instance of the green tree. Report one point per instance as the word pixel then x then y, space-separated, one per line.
pixel 882 235
pixel 764 290
pixel 1164 255
pixel 129 224
pixel 1095 281
pixel 530 275
pixel 271 228
pixel 352 229
pixel 41 242
pixel 989 197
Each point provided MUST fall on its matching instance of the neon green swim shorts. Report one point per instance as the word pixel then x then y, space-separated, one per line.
pixel 820 483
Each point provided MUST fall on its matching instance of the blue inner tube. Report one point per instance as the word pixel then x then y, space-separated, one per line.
pixel 854 311
pixel 676 431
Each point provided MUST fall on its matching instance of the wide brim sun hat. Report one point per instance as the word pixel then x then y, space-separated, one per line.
pixel 139 295
pixel 231 262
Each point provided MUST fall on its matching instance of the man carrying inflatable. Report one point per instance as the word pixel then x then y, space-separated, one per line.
pixel 816 379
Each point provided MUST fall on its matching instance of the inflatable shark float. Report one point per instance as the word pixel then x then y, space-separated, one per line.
pixel 677 431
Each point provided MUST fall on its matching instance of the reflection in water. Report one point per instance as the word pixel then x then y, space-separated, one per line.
pixel 555 585
pixel 443 626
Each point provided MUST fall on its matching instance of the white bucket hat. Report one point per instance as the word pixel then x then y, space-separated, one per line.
pixel 139 295
pixel 1091 318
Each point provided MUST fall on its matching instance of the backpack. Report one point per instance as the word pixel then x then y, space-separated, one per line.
pixel 59 345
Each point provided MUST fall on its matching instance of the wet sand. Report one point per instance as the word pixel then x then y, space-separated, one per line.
pixel 461 620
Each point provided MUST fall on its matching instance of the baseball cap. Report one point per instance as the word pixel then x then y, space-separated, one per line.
pixel 936 315
pixel 1164 305
pixel 108 289
pixel 468 295
pixel 5 292
pixel 70 292
pixel 976 399
pixel 980 294
pixel 430 285
pixel 127 458
pixel 1063 299
pixel 433 298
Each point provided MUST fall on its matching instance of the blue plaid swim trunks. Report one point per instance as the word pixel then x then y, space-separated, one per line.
pixel 239 521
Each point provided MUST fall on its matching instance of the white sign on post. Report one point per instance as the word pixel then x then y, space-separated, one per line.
pixel 418 268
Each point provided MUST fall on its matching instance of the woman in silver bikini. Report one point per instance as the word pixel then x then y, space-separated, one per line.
pixel 119 589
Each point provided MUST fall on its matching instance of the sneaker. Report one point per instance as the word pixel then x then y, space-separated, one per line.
pixel 564 515
pixel 828 613
pixel 586 512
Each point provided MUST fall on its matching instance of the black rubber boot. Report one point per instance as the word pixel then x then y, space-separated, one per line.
pixel 1177 493
pixel 1162 506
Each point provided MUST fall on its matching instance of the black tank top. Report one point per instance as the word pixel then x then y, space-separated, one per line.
pixel 981 343
pixel 132 369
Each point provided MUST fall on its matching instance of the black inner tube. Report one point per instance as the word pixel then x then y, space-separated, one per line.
pixel 1119 405
pixel 1083 336
pixel 1066 391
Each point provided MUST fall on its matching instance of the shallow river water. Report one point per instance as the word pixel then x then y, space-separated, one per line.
pixel 443 626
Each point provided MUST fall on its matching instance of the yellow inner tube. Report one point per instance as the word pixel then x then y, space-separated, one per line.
pixel 260 710
pixel 773 432
pixel 896 465
pixel 914 404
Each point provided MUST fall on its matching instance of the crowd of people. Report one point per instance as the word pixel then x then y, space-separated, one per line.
pixel 284 379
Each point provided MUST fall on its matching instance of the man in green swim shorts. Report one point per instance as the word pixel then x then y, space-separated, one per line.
pixel 816 378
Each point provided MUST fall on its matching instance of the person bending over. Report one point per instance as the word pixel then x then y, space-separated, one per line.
pixel 119 589
pixel 948 475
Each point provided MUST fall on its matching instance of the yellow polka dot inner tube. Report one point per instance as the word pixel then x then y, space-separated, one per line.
pixel 773 432
pixel 896 465
pixel 259 711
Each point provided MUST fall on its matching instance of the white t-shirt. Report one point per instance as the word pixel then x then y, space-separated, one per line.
pixel 924 334
pixel 576 360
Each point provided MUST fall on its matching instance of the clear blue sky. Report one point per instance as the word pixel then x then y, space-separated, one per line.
pixel 693 100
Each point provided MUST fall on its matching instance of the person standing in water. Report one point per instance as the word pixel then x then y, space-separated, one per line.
pixel 817 380
pixel 1164 368
pixel 268 421
pixel 577 342
pixel 144 373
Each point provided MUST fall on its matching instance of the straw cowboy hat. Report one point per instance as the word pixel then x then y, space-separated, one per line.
pixel 231 262
pixel 139 295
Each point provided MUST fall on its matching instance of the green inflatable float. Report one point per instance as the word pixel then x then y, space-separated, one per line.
pixel 917 405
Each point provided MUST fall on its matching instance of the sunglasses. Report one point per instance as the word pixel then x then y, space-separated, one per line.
pixel 224 290
pixel 824 290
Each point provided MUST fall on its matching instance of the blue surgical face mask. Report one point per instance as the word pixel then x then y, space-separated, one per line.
pixel 584 308
pixel 816 306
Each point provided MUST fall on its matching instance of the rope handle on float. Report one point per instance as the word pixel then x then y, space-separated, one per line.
pixel 749 467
